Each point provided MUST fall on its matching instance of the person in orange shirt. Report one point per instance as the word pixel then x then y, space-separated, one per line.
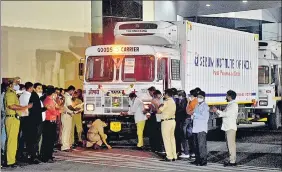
pixel 187 141
pixel 50 126
pixel 193 102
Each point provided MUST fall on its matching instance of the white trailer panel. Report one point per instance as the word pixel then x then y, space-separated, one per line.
pixel 219 59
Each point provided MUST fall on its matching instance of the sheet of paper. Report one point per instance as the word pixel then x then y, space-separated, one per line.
pixel 158 117
pixel 129 65
pixel 79 105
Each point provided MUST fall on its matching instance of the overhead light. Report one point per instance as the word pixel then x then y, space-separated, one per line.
pixel 208 5
pixel 244 1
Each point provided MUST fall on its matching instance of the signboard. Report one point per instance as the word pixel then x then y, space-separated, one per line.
pixel 129 65
pixel 136 30
pixel 117 49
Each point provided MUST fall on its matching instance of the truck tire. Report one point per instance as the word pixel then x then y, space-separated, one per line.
pixel 274 120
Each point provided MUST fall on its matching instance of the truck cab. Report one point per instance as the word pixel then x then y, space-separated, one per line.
pixel 134 63
pixel 270 83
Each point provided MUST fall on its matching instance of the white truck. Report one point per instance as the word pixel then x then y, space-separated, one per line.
pixel 182 55
pixel 269 106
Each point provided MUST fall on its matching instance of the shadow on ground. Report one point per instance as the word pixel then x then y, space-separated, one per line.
pixel 250 159
pixel 249 135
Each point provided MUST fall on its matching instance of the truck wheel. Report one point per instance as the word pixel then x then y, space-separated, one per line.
pixel 274 119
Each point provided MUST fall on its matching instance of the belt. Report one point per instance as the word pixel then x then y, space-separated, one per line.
pixel 162 120
pixel 13 116
pixel 52 121
pixel 92 133
pixel 68 113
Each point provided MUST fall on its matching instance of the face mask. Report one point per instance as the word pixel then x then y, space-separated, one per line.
pixel 16 87
pixel 131 101
pixel 180 97
pixel 39 94
pixel 200 100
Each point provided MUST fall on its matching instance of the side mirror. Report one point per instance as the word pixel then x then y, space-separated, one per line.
pixel 80 69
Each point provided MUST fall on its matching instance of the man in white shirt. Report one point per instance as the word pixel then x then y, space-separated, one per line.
pixel 67 119
pixel 24 124
pixel 136 109
pixel 229 125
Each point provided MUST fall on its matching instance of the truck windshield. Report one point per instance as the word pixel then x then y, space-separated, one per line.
pixel 263 75
pixel 99 68
pixel 138 68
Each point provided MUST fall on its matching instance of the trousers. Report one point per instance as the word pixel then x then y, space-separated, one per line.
pixel 23 135
pixel 3 133
pixel 48 140
pixel 66 131
pixel 177 134
pixel 34 138
pixel 140 131
pixel 168 129
pixel 12 129
pixel 231 144
pixel 200 141
pixel 155 134
pixel 187 137
pixel 76 123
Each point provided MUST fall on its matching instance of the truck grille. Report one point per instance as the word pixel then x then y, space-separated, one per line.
pixel 110 104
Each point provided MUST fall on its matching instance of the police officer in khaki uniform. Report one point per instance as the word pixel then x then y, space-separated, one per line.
pixel 76 120
pixel 13 110
pixel 167 111
pixel 96 135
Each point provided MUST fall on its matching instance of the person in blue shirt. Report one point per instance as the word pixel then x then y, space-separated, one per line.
pixel 200 129
pixel 3 128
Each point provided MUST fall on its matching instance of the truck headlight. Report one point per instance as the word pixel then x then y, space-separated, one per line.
pixel 90 107
pixel 263 103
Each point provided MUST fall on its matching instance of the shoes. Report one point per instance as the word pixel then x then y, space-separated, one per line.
pixel 96 147
pixel 80 144
pixel 229 164
pixel 195 163
pixel 167 160
pixel 50 161
pixel 12 165
pixel 140 148
pixel 34 161
pixel 184 156
pixel 202 164
pixel 199 163
pixel 67 150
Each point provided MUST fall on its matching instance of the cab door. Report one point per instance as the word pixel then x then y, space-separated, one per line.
pixel 163 72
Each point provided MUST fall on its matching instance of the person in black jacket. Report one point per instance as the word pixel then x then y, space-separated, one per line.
pixel 35 117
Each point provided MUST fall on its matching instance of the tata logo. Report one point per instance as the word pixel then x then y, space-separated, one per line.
pixel 115 91
pixel 93 92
